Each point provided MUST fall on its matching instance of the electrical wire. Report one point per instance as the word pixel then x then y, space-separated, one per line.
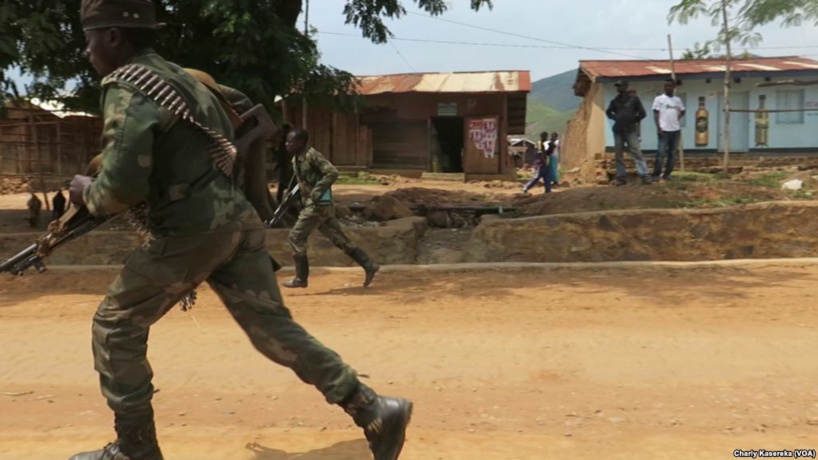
pixel 515 45
pixel 402 57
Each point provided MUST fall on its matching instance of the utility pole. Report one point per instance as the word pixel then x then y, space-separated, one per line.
pixel 673 75
pixel 728 65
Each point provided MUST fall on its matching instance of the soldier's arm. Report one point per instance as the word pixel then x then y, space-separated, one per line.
pixel 329 174
pixel 131 123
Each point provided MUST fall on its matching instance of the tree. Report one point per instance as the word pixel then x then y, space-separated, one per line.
pixel 367 14
pixel 253 45
pixel 698 52
pixel 737 20
pixel 791 12
pixel 731 16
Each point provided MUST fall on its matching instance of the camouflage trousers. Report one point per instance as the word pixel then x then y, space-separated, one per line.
pixel 322 218
pixel 238 268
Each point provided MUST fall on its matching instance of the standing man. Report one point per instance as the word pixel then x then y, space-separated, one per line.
pixel 34 206
pixel 626 110
pixel 163 153
pixel 58 203
pixel 668 111
pixel 315 176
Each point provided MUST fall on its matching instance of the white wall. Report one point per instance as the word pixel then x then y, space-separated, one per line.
pixel 780 135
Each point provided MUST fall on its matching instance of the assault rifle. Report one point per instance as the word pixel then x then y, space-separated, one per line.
pixel 282 208
pixel 72 225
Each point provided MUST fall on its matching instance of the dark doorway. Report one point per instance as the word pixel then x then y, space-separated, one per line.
pixel 447 144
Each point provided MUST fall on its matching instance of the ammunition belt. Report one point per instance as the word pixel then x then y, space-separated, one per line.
pixel 152 85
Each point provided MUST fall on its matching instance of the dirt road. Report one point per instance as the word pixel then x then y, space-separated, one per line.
pixel 586 363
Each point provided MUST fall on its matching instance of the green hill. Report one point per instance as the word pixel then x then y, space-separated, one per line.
pixel 540 117
pixel 551 104
pixel 556 91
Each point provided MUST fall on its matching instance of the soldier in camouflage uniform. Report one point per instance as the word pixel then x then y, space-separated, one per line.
pixel 204 230
pixel 315 175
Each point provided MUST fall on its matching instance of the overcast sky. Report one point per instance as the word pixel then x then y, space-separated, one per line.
pixel 638 28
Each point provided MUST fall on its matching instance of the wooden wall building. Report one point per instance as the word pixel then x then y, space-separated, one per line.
pixel 415 123
pixel 39 138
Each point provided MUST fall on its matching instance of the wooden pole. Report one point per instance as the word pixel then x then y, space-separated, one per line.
pixel 59 151
pixel 36 140
pixel 728 63
pixel 673 75
pixel 306 33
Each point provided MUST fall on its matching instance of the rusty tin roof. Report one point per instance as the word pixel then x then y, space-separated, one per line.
pixel 625 69
pixel 503 81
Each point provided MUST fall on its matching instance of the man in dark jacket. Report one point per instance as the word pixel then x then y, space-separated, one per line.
pixel 627 111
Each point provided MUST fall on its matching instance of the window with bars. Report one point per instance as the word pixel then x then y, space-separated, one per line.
pixel 791 99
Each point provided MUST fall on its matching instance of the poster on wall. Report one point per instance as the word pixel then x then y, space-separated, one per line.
pixel 483 132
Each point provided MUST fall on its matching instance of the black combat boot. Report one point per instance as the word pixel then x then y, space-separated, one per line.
pixel 302 272
pixel 136 440
pixel 370 267
pixel 383 419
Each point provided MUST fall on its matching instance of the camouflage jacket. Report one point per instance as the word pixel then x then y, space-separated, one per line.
pixel 151 155
pixel 315 175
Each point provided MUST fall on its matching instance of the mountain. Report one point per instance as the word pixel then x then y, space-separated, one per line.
pixel 541 117
pixel 556 91
pixel 551 103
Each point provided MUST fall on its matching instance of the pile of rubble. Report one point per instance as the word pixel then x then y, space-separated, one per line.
pixel 12 185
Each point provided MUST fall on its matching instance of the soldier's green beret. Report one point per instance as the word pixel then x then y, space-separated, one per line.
pixel 100 14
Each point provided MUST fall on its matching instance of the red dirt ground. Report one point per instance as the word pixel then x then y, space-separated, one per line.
pixel 581 363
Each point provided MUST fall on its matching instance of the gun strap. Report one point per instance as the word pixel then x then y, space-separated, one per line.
pixel 155 88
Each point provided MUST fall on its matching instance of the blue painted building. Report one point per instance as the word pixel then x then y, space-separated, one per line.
pixel 758 83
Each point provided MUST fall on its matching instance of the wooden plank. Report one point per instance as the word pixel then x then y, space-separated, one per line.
pixel 400 145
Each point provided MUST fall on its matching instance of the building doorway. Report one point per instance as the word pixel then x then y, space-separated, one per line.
pixel 446 144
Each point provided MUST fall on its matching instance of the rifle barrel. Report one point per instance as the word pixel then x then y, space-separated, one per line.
pixel 9 264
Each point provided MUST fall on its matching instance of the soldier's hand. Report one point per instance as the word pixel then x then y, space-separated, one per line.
pixel 77 188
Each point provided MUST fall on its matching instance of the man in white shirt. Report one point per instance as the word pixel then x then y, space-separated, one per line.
pixel 668 110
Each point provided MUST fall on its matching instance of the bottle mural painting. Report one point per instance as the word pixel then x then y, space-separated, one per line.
pixel 702 132
pixel 762 123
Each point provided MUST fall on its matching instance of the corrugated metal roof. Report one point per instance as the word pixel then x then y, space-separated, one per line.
pixel 506 81
pixel 624 69
pixel 57 108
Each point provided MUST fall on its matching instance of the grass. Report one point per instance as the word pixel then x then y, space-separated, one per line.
pixel 686 180
pixel 718 202
pixel 361 178
pixel 770 180
pixel 692 176
pixel 802 195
